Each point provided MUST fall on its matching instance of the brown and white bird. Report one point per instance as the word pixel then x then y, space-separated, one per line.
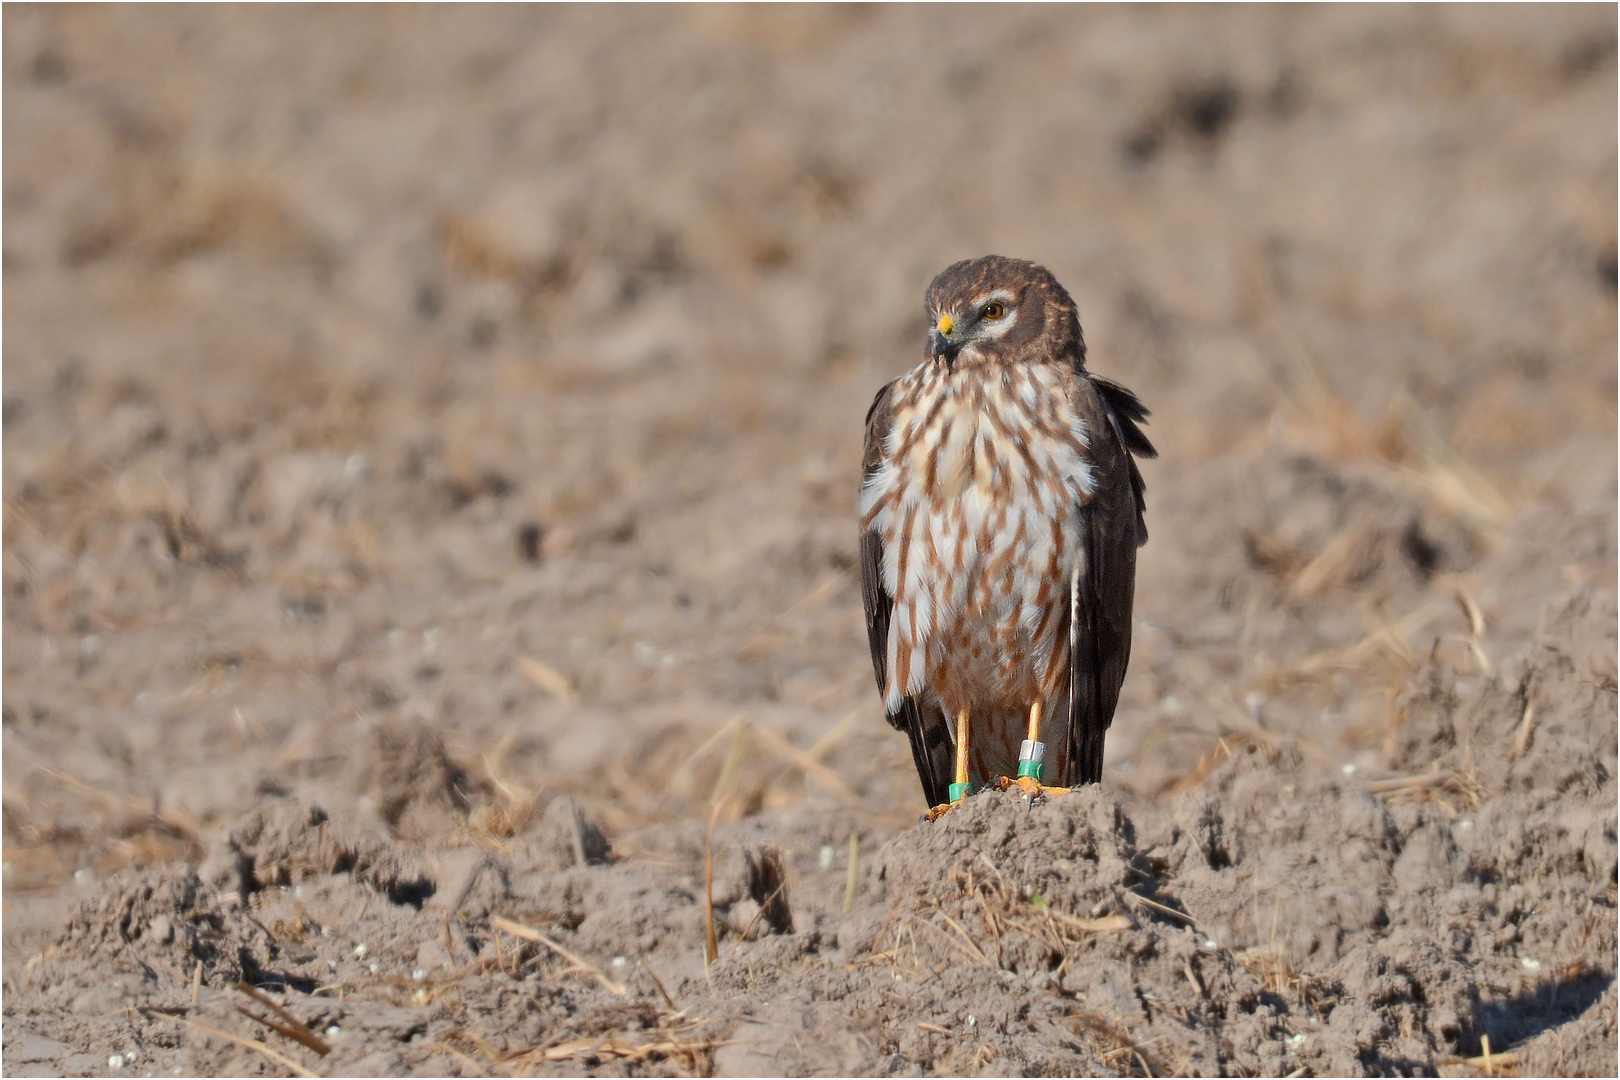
pixel 1000 512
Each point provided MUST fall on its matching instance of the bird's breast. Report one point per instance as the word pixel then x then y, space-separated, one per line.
pixel 974 441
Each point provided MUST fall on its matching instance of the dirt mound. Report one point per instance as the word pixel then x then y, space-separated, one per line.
pixel 286 842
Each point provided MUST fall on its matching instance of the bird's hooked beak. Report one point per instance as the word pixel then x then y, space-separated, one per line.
pixel 941 344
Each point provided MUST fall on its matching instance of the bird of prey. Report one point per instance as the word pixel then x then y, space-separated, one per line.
pixel 1001 510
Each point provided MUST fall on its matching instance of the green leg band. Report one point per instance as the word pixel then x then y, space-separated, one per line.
pixel 958 792
pixel 1029 759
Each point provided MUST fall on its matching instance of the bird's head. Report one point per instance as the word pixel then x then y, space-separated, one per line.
pixel 1000 310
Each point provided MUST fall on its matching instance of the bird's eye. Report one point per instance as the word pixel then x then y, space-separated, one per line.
pixel 994 310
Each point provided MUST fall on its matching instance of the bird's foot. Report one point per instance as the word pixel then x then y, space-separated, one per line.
pixel 1031 787
pixel 958 792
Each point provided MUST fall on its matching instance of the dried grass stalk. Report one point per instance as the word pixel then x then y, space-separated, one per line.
pixel 251 1044
pixel 529 933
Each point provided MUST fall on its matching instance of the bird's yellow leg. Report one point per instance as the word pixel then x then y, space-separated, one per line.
pixel 1029 759
pixel 959 789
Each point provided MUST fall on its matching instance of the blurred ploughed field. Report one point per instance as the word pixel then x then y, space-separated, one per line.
pixel 431 612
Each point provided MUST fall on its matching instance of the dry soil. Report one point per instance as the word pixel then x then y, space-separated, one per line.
pixel 430 449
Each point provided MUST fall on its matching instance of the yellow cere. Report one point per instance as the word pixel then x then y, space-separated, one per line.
pixel 944 325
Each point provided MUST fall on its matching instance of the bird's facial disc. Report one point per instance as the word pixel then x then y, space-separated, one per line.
pixel 983 319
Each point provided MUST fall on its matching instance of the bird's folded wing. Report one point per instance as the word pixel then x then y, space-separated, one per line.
pixel 1114 527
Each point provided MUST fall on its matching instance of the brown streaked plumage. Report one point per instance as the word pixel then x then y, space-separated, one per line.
pixel 1001 511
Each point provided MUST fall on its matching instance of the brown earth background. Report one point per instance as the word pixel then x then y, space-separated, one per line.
pixel 430 447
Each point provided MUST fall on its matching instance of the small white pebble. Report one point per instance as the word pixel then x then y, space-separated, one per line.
pixel 332 964
pixel 130 1056
pixel 1210 943
pixel 1349 770
pixel 360 950
pixel 1465 823
pixel 973 1021
pixel 325 932
pixel 620 961
pixel 375 967
pixel 116 1061
pixel 334 1030
pixel 827 854
pixel 419 974
pixel 1530 963
pixel 1296 1040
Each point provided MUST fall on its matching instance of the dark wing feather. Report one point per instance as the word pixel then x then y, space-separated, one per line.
pixel 925 725
pixel 1125 412
pixel 1114 528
